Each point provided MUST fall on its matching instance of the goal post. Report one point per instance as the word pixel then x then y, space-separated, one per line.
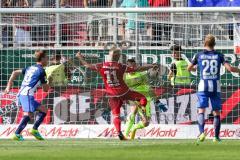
pixel 78 107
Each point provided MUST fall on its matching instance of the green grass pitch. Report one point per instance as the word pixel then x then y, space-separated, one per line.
pixel 107 149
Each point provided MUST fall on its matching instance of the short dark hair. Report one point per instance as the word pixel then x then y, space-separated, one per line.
pixel 132 60
pixel 39 55
pixel 176 47
pixel 56 56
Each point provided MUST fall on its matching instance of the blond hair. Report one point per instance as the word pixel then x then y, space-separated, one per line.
pixel 209 41
pixel 114 54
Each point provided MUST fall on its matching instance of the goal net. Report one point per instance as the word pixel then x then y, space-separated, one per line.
pixel 80 101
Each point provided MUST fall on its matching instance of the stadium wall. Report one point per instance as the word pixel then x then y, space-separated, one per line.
pixel 108 131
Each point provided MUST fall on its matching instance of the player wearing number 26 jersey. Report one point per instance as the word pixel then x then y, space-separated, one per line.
pixel 209 63
pixel 112 73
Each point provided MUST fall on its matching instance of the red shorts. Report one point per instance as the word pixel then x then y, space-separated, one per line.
pixel 116 102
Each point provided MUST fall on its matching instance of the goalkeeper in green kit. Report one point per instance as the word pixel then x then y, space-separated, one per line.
pixel 138 81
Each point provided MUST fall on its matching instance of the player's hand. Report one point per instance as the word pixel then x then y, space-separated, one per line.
pixel 50 79
pixel 78 55
pixel 7 90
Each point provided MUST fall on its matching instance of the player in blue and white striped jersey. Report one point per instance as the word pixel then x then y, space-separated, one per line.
pixel 34 76
pixel 209 63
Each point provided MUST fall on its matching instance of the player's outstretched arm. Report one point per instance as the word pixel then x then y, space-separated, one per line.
pixel 14 75
pixel 231 68
pixel 85 63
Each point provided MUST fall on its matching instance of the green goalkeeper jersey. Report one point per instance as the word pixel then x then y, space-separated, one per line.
pixel 57 72
pixel 138 81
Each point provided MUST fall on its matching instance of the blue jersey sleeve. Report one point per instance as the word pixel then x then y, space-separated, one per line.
pixel 222 59
pixel 24 70
pixel 43 77
pixel 195 59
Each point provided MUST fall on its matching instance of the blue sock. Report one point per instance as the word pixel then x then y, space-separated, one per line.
pixel 201 122
pixel 22 124
pixel 39 120
pixel 217 125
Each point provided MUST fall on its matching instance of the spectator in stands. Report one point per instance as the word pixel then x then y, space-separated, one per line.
pixel 178 74
pixel 3 29
pixel 72 32
pixel 119 2
pixel 5 3
pixel 72 3
pixel 22 34
pixel 98 29
pixel 160 31
pixel 130 25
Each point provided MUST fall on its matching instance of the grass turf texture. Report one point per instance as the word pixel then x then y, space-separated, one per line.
pixel 99 149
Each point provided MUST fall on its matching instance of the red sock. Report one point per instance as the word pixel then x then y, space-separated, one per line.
pixel 117 123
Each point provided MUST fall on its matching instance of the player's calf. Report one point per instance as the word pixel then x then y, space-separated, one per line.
pixel 129 123
pixel 39 119
pixel 217 125
pixel 117 124
pixel 34 131
pixel 201 124
pixel 25 119
pixel 142 124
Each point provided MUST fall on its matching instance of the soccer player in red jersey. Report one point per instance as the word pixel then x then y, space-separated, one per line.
pixel 112 73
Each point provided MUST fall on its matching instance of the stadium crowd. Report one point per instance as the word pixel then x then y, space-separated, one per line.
pixel 94 30
pixel 21 32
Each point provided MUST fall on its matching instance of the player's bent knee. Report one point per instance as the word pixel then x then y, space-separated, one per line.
pixel 201 110
pixel 29 114
pixel 42 109
pixel 216 113
pixel 146 124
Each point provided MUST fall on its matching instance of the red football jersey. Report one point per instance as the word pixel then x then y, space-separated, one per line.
pixel 112 74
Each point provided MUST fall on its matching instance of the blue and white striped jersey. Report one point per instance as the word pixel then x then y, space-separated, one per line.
pixel 33 77
pixel 209 63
